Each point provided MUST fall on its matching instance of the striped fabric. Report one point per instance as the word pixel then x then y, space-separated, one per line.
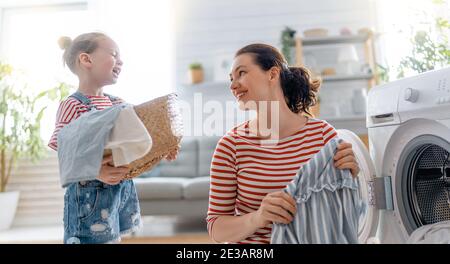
pixel 71 109
pixel 244 170
pixel 328 204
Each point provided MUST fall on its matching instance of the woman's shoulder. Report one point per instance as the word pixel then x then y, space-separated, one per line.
pixel 237 130
pixel 319 123
pixel 328 130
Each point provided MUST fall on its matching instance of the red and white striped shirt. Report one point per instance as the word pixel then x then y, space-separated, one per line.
pixel 244 171
pixel 70 109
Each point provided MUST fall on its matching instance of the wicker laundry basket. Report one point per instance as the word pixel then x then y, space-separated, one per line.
pixel 162 118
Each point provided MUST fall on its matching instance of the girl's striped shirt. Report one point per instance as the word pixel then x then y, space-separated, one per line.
pixel 70 109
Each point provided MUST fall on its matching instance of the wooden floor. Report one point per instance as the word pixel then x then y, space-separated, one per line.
pixel 155 230
pixel 178 239
pixel 170 230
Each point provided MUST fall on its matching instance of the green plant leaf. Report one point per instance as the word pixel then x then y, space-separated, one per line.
pixel 20 123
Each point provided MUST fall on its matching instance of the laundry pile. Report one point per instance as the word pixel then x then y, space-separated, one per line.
pixel 438 233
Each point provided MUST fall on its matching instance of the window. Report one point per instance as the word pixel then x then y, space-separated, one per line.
pixel 399 20
pixel 142 29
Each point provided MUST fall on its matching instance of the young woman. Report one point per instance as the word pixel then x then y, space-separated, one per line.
pixel 247 173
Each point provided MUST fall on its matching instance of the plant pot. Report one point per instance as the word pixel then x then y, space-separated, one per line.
pixel 8 205
pixel 196 75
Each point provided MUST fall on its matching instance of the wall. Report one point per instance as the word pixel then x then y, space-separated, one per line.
pixel 207 29
pixel 211 31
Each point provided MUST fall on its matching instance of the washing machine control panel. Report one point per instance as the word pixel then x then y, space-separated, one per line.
pixel 425 96
pixel 443 90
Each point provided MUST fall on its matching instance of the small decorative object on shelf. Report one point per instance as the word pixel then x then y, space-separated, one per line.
pixel 196 73
pixel 328 71
pixel 315 32
pixel 345 31
pixel 365 31
pixel 347 58
pixel 288 44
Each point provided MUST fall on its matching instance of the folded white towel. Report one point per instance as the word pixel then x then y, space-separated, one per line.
pixel 438 233
pixel 129 139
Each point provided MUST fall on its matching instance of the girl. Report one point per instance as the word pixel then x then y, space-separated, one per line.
pixel 247 174
pixel 101 210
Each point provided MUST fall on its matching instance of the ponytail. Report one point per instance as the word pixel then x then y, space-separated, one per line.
pixel 299 88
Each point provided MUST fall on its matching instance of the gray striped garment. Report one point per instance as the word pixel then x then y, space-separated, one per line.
pixel 328 203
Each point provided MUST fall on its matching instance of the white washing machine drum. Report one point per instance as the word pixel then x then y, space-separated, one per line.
pixel 423 192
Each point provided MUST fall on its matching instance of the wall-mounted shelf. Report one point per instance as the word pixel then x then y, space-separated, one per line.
pixel 360 38
pixel 367 63
pixel 337 78
pixel 206 85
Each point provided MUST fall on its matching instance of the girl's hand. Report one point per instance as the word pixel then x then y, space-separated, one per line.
pixel 276 207
pixel 173 155
pixel 109 174
pixel 345 158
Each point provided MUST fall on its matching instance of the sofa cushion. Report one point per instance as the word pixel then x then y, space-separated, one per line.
pixel 159 188
pixel 154 172
pixel 197 188
pixel 186 163
pixel 207 145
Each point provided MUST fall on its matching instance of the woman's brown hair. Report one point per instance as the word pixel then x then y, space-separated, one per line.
pixel 299 88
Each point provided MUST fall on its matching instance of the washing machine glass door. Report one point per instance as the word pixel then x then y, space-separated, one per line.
pixel 423 180
pixel 368 221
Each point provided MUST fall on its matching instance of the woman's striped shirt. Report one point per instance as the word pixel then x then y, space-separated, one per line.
pixel 244 170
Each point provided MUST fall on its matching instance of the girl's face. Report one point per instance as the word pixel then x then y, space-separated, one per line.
pixel 106 62
pixel 249 83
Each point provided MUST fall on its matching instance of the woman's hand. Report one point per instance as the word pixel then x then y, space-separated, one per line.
pixel 276 207
pixel 109 174
pixel 345 158
pixel 173 155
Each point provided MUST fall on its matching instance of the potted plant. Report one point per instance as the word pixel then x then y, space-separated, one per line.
pixel 288 44
pixel 20 117
pixel 196 72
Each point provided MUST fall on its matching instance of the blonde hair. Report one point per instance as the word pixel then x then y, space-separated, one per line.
pixel 84 43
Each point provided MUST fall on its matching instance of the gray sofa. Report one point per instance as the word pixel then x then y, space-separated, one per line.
pixel 180 187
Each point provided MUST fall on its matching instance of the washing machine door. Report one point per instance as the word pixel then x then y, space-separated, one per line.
pixel 368 221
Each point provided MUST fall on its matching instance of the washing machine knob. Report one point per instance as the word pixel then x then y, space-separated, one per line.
pixel 411 95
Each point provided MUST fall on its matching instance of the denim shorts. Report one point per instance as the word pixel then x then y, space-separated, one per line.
pixel 95 212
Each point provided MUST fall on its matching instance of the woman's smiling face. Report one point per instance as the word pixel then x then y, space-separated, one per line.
pixel 249 83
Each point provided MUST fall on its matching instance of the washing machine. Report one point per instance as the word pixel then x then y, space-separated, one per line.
pixel 405 179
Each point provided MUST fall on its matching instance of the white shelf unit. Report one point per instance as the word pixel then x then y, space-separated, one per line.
pixel 355 123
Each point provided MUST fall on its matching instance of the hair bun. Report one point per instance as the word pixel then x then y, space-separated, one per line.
pixel 64 42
